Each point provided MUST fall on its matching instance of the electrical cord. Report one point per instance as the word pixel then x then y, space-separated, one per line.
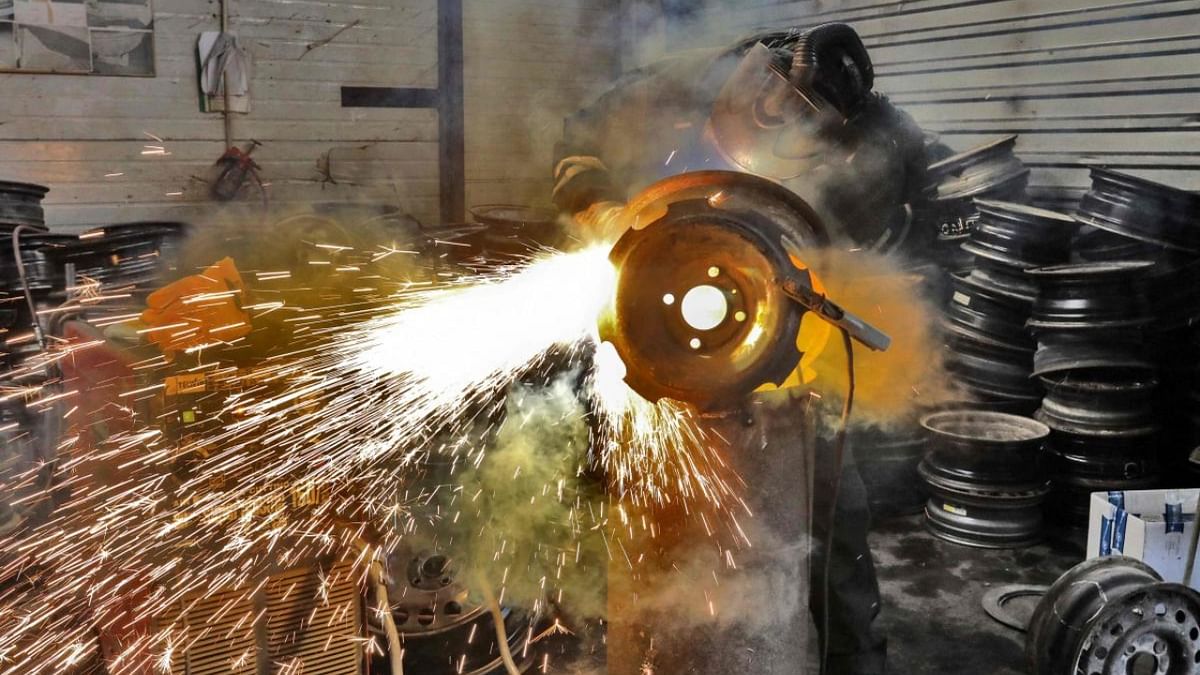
pixel 493 605
pixel 839 449
pixel 395 646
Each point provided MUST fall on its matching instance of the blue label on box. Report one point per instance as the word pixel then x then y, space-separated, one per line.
pixel 1105 535
pixel 1117 498
pixel 1173 515
pixel 1120 520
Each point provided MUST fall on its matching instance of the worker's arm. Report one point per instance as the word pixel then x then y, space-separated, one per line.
pixel 626 138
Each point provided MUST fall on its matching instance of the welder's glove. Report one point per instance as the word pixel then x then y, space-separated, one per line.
pixel 581 181
pixel 584 189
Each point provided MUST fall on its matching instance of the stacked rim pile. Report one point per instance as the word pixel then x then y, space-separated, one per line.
pixel 1192 411
pixel 1089 320
pixel 513 230
pixel 1130 218
pixel 989 349
pixel 20 207
pixel 985 480
pixel 989 171
pixel 130 258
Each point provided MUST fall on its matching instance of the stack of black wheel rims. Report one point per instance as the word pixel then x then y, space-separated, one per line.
pixel 129 260
pixel 990 351
pixel 985 479
pixel 989 171
pixel 1129 218
pixel 1115 616
pixel 23 237
pixel 1090 321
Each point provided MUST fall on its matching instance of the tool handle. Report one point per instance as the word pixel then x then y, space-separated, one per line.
pixel 835 314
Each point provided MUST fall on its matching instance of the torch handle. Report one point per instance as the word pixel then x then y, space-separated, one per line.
pixel 835 314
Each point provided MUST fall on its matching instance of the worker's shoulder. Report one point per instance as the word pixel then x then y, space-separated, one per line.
pixel 878 113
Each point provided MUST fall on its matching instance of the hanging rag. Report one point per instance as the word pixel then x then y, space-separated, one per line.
pixel 223 63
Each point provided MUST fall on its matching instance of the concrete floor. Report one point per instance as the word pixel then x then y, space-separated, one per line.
pixel 932 592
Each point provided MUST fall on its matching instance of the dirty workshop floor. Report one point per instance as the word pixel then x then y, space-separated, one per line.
pixel 932 594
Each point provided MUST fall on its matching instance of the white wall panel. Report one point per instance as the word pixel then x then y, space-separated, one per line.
pixel 528 63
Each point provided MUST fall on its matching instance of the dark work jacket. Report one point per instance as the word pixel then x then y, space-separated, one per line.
pixel 651 123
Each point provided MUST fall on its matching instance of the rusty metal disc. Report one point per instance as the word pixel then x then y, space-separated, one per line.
pixel 727 237
pixel 1002 603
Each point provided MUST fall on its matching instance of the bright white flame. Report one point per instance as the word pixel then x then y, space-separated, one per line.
pixel 457 337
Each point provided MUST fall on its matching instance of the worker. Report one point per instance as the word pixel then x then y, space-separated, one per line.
pixel 796 107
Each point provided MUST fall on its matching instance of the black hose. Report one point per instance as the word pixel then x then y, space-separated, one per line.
pixel 811 65
pixel 839 451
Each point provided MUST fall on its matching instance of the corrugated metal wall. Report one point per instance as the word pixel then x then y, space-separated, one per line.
pixel 1104 81
pixel 528 62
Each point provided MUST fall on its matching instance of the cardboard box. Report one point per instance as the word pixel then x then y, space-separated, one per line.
pixel 1141 531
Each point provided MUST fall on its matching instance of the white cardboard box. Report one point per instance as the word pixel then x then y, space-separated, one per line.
pixel 1143 535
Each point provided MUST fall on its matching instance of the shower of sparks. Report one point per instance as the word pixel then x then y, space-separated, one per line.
pixel 305 457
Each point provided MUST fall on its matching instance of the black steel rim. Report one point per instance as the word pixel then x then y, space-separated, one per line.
pixel 1074 601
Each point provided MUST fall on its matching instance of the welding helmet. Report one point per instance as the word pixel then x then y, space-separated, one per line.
pixel 786 103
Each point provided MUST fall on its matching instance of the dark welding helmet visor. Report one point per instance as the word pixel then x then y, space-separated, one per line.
pixel 765 124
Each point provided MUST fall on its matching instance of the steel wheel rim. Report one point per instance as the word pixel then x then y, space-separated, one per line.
pixel 1073 602
pixel 1168 644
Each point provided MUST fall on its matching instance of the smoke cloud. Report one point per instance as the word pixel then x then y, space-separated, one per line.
pixel 526 518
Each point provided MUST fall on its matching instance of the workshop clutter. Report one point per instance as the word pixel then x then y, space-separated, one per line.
pixel 989 171
pixel 1156 527
pixel 1090 319
pixel 47 279
pixel 1117 343
pixel 1084 322
pixel 990 350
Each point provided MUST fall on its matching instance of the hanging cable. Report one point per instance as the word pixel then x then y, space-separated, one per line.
pixel 395 647
pixel 839 451
pixel 493 605
pixel 38 334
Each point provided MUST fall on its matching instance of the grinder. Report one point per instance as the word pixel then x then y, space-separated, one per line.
pixel 712 288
